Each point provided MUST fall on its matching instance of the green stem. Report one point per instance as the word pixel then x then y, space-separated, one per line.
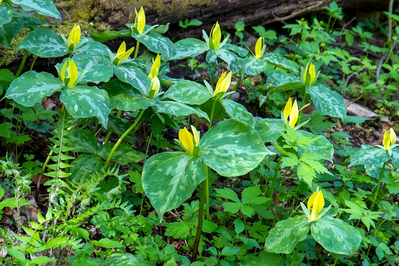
pixel 299 44
pixel 378 186
pixel 328 23
pixel 296 254
pixel 335 262
pixel 121 138
pixel 278 197
pixel 136 52
pixel 110 132
pixel 33 63
pixel 206 184
pixel 275 178
pixel 21 66
pixel 200 221
pixel 245 227
pixel 302 105
pixel 213 110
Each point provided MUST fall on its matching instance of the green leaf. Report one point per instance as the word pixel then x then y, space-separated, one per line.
pixel 123 259
pixel 5 129
pixel 189 47
pixel 178 109
pixel 188 92
pixel 31 87
pixel 119 126
pixel 254 66
pixel 6 77
pixel 279 81
pixel 208 226
pixel 41 260
pixel 108 243
pixel 320 146
pixel 88 46
pixel 336 236
pixel 226 55
pixel 123 155
pixel 227 193
pixel 124 97
pixel 369 155
pixel 84 167
pixel 395 157
pixel 109 35
pixel 279 61
pixel 43 7
pixel 85 101
pixel 247 211
pixel 170 178
pixel 284 237
pixel 238 112
pixel 134 76
pixel 229 251
pixel 239 226
pixel 232 148
pixel 44 43
pixel 231 207
pixel 327 102
pixel 269 129
pixel 16 254
pixel 178 230
pixel 1 193
pixel 97 68
pixel 157 43
pixel 6 11
pixel 83 141
pixel 250 196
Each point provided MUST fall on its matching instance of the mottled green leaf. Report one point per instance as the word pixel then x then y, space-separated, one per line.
pixel 269 129
pixel 284 237
pixel 327 102
pixel 395 157
pixel 336 236
pixel 6 11
pixel 279 61
pixel 109 35
pixel 85 101
pixel 369 155
pixel 43 7
pixel 226 55
pixel 188 92
pixel 232 148
pixel 157 43
pixel 178 109
pixel 242 52
pixel 97 68
pixel 279 81
pixel 189 47
pixel 91 48
pixel 125 259
pixel 134 76
pixel 170 178
pixel 31 87
pixel 238 112
pixel 254 66
pixel 123 155
pixel 44 43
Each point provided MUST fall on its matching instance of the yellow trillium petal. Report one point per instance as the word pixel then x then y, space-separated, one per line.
pixel 126 54
pixel 74 35
pixel 196 135
pixel 186 139
pixel 287 108
pixel 226 83
pixel 293 115
pixel 312 199
pixel 121 49
pixel 216 36
pixel 63 70
pixel 318 205
pixel 155 67
pixel 155 86
pixel 312 72
pixel 141 21
pixel 259 48
pixel 392 136
pixel 218 87
pixel 72 73
pixel 387 140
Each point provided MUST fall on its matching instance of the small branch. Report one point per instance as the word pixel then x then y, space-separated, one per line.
pixel 345 25
pixel 293 15
pixel 390 8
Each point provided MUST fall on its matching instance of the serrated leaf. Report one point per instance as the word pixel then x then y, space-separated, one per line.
pixel 336 236
pixel 31 87
pixel 170 178
pixel 250 194
pixel 239 226
pixel 41 260
pixel 232 148
pixel 178 230
pixel 247 210
pixel 231 207
pixel 85 101
pixel 229 251
pixel 286 234
pixel 227 193
pixel 208 226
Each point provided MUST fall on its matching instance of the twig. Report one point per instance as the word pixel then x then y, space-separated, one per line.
pixel 390 20
pixel 345 25
pixel 277 19
pixel 351 75
pixel 379 69
pixel 285 23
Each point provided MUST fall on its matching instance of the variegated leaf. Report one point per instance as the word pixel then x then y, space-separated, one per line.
pixel 178 109
pixel 124 97
pixel 327 102
pixel 369 155
pixel 85 101
pixel 97 68
pixel 232 148
pixel 254 66
pixel 189 47
pixel 31 87
pixel 134 76
pixel 320 146
pixel 284 237
pixel 188 92
pixel 170 178
pixel 157 43
pixel 336 236
pixel 44 43
pixel 269 129
pixel 92 48
pixel 226 55
pixel 43 7
pixel 5 12
pixel 279 81
pixel 279 61
pixel 395 157
pixel 238 112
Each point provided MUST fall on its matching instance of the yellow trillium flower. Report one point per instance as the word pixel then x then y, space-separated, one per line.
pixel 316 202
pixel 74 37
pixel 139 21
pixel 122 54
pixel 155 86
pixel 389 139
pixel 223 83
pixel 291 112
pixel 215 36
pixel 72 73
pixel 259 48
pixel 155 67
pixel 308 75
pixel 189 141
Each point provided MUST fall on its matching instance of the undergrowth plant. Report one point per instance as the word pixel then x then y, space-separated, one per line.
pixel 134 167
